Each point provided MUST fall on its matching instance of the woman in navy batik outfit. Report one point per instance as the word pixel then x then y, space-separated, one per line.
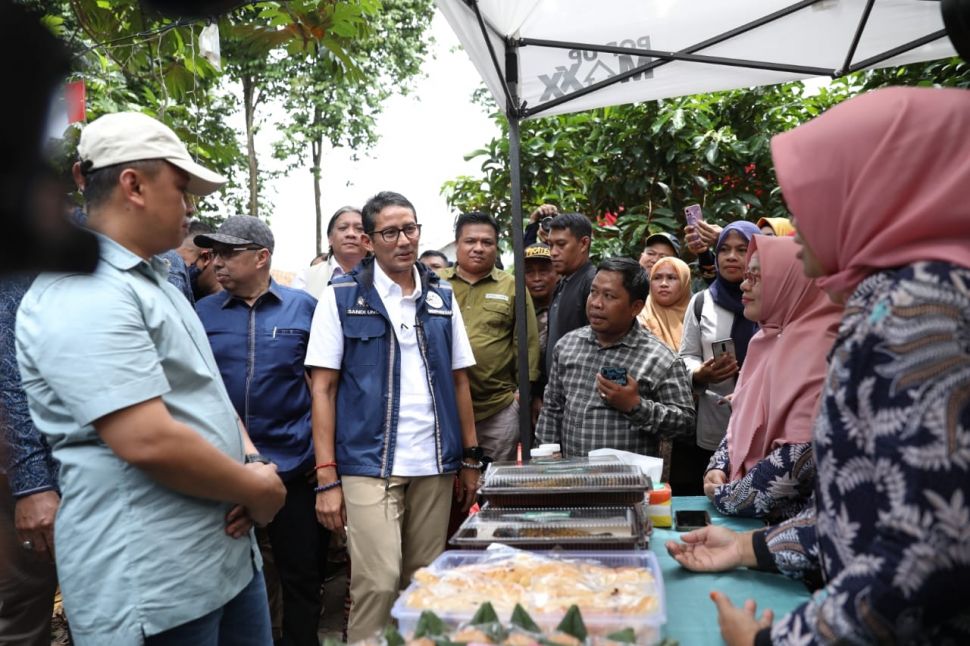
pixel 878 187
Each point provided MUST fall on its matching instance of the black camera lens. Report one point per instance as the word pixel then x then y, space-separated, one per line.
pixel 546 223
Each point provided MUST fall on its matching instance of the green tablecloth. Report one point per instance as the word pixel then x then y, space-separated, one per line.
pixel 691 616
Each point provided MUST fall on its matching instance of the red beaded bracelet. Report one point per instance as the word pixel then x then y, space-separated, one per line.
pixel 325 465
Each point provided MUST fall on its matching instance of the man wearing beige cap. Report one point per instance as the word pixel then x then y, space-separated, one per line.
pixel 160 484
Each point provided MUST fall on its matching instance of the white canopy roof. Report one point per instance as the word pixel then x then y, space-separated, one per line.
pixel 752 42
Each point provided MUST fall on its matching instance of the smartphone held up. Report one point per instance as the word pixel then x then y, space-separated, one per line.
pixel 693 214
pixel 723 347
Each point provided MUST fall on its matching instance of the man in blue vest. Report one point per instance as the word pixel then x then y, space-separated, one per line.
pixel 392 411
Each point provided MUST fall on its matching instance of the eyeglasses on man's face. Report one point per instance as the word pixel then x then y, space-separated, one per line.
pixel 227 253
pixel 391 235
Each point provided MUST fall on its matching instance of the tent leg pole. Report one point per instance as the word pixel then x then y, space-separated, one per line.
pixel 525 403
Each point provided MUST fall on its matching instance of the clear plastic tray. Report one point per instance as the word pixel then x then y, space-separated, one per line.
pixel 614 590
pixel 585 482
pixel 568 528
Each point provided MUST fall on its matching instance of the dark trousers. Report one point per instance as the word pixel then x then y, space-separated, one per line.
pixel 244 621
pixel 27 584
pixel 294 537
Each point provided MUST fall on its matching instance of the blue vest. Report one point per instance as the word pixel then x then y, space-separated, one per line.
pixel 369 390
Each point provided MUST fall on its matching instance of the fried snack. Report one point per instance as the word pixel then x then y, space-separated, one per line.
pixel 471 635
pixel 539 583
pixel 544 532
pixel 564 639
pixel 520 639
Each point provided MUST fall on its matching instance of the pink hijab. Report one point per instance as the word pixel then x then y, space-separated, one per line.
pixel 880 181
pixel 779 387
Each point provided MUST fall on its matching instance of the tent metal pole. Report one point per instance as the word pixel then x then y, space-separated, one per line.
pixel 896 51
pixel 521 331
pixel 677 56
pixel 856 38
pixel 509 95
pixel 664 58
pixel 714 40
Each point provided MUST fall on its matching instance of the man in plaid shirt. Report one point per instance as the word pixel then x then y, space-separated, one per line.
pixel 613 384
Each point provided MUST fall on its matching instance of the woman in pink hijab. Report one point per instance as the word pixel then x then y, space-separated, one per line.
pixel 764 467
pixel 879 189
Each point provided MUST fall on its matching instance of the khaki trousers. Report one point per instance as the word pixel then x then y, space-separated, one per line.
pixel 394 527
pixel 498 435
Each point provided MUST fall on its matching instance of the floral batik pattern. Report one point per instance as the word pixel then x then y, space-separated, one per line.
pixel 777 488
pixel 892 448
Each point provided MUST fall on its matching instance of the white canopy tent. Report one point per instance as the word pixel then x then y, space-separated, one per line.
pixel 545 57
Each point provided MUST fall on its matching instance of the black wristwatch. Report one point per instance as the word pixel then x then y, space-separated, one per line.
pixel 256 457
pixel 475 453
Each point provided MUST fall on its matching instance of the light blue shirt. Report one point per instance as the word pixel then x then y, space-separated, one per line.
pixel 134 558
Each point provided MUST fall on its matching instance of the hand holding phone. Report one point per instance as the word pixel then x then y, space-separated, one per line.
pixel 723 347
pixel 617 389
pixel 693 214
pixel 616 375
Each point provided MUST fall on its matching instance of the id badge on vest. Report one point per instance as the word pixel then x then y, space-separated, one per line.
pixel 435 305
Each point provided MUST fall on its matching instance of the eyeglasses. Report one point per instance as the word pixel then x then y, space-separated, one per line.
pixel 227 253
pixel 752 277
pixel 392 234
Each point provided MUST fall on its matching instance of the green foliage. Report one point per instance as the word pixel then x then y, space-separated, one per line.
pixel 272 46
pixel 633 168
pixel 132 58
pixel 329 100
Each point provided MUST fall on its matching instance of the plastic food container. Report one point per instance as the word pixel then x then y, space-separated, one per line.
pixel 614 590
pixel 579 482
pixel 585 528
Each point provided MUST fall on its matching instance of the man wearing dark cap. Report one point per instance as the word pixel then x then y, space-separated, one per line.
pixel 160 484
pixel 657 246
pixel 540 280
pixel 258 330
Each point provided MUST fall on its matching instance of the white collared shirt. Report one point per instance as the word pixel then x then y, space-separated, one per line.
pixel 316 278
pixel 414 454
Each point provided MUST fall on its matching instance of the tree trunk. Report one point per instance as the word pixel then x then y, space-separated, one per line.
pixel 249 108
pixel 316 155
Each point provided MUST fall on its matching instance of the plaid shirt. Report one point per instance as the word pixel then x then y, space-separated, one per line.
pixel 574 415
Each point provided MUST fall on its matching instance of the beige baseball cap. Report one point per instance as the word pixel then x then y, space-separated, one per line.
pixel 132 136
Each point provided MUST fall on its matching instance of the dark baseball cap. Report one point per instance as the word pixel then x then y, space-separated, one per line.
pixel 538 251
pixel 238 230
pixel 665 238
